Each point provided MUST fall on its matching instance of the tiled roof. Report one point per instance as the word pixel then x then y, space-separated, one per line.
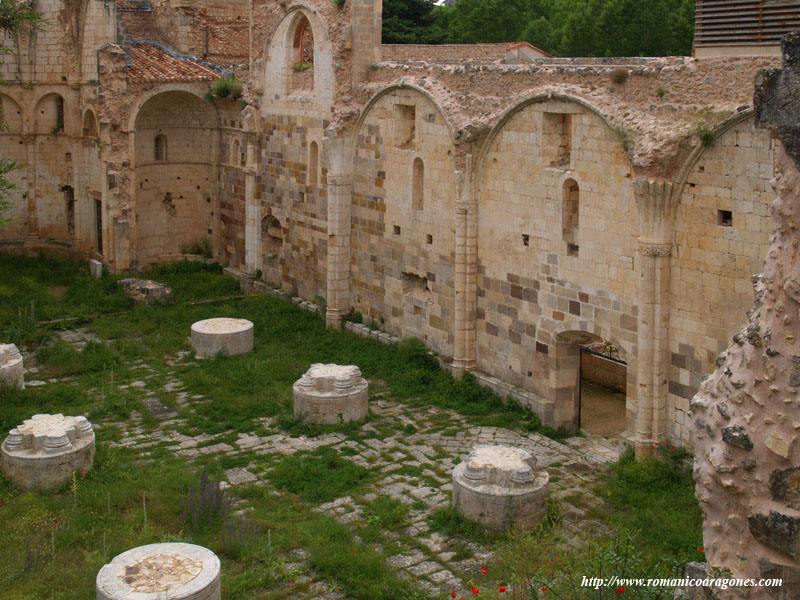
pixel 151 63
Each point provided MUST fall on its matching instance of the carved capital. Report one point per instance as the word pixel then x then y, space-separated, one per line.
pixel 657 206
pixel 655 249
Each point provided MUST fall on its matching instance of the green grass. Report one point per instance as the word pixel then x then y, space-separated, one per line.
pixel 657 502
pixel 319 476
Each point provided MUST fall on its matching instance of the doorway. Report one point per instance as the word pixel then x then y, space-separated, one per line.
pixel 602 390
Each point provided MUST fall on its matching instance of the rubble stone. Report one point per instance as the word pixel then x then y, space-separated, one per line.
pixel 12 371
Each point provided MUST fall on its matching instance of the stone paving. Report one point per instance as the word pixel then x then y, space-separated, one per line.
pixel 441 440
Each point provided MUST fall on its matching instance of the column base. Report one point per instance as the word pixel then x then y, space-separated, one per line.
pixel 334 318
pixel 463 365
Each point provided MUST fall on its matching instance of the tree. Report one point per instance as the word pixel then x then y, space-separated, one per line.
pixel 410 22
pixel 16 17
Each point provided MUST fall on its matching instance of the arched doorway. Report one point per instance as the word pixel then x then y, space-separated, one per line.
pixel 593 384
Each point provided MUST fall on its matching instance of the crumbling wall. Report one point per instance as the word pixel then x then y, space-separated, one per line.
pixel 746 415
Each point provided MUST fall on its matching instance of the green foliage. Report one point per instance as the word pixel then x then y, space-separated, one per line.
pixel 62 359
pixel 387 513
pixel 562 575
pixel 657 500
pixel 620 76
pixel 339 3
pixel 227 87
pixel 411 22
pixel 320 476
pixel 573 27
pixel 201 247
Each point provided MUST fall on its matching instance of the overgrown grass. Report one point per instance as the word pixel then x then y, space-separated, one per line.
pixel 319 476
pixel 657 502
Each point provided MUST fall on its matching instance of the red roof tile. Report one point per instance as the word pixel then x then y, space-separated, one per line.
pixel 149 63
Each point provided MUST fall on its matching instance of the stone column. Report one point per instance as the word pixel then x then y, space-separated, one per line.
pixel 466 274
pixel 340 189
pixel 657 207
pixel 33 218
pixel 252 228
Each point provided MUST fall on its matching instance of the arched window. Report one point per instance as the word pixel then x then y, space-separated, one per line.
pixel 313 164
pixel 49 114
pixel 302 56
pixel 236 151
pixel 418 185
pixel 89 128
pixel 570 215
pixel 161 147
pixel 271 236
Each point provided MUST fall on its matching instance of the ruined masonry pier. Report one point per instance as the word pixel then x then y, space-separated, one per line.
pixel 331 394
pixel 226 337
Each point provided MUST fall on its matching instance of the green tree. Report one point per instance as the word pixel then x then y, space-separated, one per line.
pixel 410 22
pixel 16 17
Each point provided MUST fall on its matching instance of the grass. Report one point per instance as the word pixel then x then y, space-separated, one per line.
pixel 319 476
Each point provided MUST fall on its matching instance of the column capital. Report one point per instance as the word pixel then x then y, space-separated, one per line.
pixel 655 248
pixel 339 180
pixel 657 205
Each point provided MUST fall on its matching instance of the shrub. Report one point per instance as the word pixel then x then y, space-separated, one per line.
pixel 204 504
pixel 227 87
pixel 620 75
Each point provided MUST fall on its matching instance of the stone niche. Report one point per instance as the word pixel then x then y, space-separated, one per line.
pixel 46 450
pixel 12 373
pixel 173 570
pixel 222 337
pixel 331 394
pixel 499 487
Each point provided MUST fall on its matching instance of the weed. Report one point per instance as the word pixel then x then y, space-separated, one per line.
pixel 204 504
pixel 626 136
pixel 356 317
pixel 339 3
pixel 620 76
pixel 320 476
pixel 387 513
pixel 227 87
pixel 300 67
pixel 661 92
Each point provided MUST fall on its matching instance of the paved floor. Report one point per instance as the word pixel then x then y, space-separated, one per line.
pixel 442 440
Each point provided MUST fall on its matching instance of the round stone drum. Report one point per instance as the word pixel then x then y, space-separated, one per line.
pixel 12 373
pixel 330 395
pixel 498 487
pixel 222 337
pixel 46 450
pixel 174 571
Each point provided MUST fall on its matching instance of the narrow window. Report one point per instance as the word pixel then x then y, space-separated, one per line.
pixel 161 147
pixel 725 218
pixel 405 122
pixel 59 114
pixel 98 222
pixel 302 57
pixel 418 185
pixel 570 216
pixel 313 164
pixel 236 151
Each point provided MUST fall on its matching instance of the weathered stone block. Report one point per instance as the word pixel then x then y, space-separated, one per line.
pixel 173 570
pixel 12 372
pixel 96 268
pixel 777 531
pixel 146 291
pixel 737 436
pixel 498 487
pixel 222 337
pixel 331 394
pixel 46 450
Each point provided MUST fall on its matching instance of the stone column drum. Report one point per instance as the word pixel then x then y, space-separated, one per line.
pixel 46 450
pixel 222 337
pixel 12 373
pixel 330 395
pixel 175 571
pixel 498 487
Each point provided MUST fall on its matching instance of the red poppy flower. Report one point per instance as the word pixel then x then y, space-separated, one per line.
pixel 453 594
pixel 502 589
pixel 621 590
pixel 701 549
pixel 475 590
pixel 484 571
pixel 544 589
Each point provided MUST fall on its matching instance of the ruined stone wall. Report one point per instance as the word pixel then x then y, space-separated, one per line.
pixel 403 247
pixel 716 254
pixel 175 192
pixel 532 287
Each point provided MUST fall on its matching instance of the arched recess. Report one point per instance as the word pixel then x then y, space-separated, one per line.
pixel 402 258
pixel 566 373
pixel 272 237
pixel 89 127
pixel 555 240
pixel 723 224
pixel 299 58
pixel 176 138
pixel 49 116
pixel 10 114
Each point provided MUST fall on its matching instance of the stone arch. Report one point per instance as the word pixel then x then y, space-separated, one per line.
pixel 176 145
pixel 11 114
pixel 538 98
pixel 49 114
pixel 564 372
pixel 89 127
pixel 298 57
